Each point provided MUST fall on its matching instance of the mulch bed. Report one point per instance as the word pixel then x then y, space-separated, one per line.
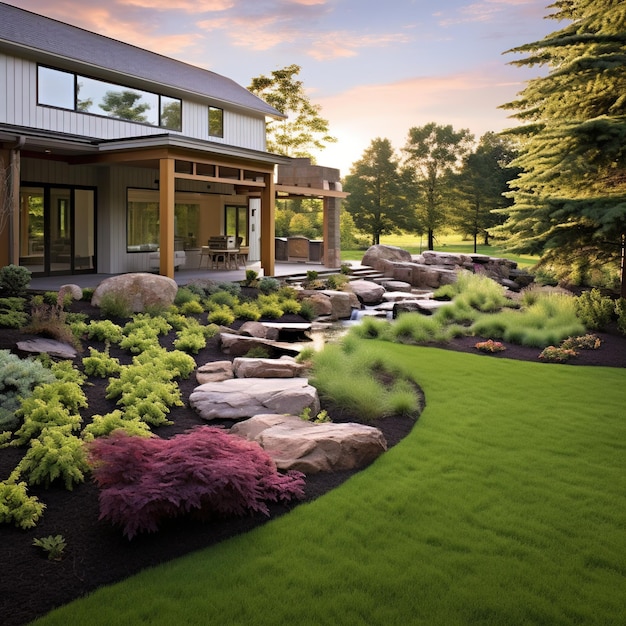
pixel 97 554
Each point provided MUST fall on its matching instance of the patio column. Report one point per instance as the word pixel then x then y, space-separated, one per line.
pixel 332 232
pixel 9 205
pixel 166 217
pixel 267 226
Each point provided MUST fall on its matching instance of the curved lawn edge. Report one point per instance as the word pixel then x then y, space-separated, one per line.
pixel 505 504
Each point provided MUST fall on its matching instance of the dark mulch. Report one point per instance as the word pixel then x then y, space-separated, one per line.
pixel 97 554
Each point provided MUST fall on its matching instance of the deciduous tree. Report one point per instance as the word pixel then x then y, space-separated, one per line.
pixel 570 199
pixel 434 152
pixel 304 129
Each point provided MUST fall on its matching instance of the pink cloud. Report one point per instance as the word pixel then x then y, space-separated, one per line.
pixel 189 6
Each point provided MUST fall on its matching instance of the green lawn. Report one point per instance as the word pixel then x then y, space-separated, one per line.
pixel 506 505
pixel 444 243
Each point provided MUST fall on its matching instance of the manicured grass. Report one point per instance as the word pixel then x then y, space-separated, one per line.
pixel 444 243
pixel 506 505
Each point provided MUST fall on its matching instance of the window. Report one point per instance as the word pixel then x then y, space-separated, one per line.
pixel 142 220
pixel 66 90
pixel 216 122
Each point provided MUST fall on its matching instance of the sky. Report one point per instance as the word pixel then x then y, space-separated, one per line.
pixel 376 68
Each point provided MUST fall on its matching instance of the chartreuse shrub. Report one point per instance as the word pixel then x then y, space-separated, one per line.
pixel 144 481
pixel 103 425
pixel 146 388
pixel 49 418
pixel 247 311
pixel 221 314
pixel 143 331
pixel 12 313
pixel 18 378
pixel 105 330
pixel 192 337
pixel 101 364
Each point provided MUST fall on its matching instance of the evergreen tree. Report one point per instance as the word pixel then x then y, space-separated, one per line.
pixel 570 199
pixel 481 186
pixel 303 129
pixel 377 200
pixel 123 104
pixel 435 152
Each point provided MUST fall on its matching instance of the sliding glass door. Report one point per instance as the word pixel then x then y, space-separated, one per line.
pixel 57 229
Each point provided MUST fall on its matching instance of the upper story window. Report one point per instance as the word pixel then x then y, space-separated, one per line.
pixel 216 122
pixel 67 90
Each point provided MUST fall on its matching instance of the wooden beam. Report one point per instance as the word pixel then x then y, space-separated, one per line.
pixel 166 217
pixel 268 243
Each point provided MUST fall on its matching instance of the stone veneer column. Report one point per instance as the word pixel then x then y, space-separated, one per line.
pixel 332 233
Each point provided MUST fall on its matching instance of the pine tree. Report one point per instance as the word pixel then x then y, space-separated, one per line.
pixel 377 200
pixel 570 199
pixel 435 152
pixel 481 186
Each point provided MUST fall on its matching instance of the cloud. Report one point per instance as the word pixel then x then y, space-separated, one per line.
pixel 486 11
pixel 363 113
pixel 344 44
pixel 189 6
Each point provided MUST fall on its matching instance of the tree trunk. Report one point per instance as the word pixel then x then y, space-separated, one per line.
pixel 623 279
pixel 431 239
pixel 475 238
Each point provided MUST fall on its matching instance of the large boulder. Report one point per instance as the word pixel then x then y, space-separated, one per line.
pixel 375 254
pixel 140 290
pixel 240 398
pixel 367 291
pixel 311 447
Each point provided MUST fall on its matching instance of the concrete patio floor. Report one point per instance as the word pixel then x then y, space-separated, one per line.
pixel 182 276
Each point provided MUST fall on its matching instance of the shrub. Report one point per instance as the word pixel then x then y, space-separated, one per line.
pixel 307 310
pixel 489 346
pixel 185 294
pixel 17 507
pixel 221 315
pixel 101 364
pixel 18 379
pixel 371 327
pixel 476 291
pixel 247 311
pixel 145 481
pixel 14 280
pixel 594 310
pixel 556 354
pixel 105 330
pixel 190 339
pixel 103 425
pixel 12 313
pixel 55 454
pixel 258 352
pixel 415 328
pixel 583 342
pixel 268 285
pixel 193 307
pixel 223 298
pixel 251 278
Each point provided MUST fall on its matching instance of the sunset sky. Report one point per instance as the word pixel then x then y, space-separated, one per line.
pixel 375 68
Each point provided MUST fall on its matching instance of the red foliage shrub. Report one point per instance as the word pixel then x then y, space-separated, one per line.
pixel 145 480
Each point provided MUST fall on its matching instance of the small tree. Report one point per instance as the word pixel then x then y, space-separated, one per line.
pixel 122 104
pixel 377 200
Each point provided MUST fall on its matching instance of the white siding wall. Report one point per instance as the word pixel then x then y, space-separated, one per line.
pixel 18 105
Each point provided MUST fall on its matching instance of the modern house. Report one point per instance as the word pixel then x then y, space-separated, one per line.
pixel 110 154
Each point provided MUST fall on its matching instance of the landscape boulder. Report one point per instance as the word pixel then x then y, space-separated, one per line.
pixel 367 291
pixel 284 367
pixel 140 290
pixel 240 398
pixel 295 444
pixel 214 372
pixel 375 254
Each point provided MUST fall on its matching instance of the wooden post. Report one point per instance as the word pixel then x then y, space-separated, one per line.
pixel 268 244
pixel 166 217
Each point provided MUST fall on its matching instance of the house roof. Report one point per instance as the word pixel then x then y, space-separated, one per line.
pixel 69 47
